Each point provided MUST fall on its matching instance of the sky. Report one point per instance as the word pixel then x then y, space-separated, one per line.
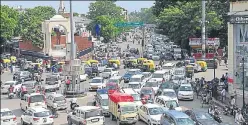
pixel 79 6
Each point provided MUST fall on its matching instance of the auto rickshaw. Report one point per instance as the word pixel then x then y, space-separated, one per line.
pixel 141 60
pixel 116 62
pixel 148 67
pixel 131 63
pixel 38 64
pixel 61 63
pixel 189 71
pixel 90 62
pixel 13 59
pixel 6 60
pixel 203 65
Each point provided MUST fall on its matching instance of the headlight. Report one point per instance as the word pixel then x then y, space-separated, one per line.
pixel 180 94
pixel 154 120
pixel 123 118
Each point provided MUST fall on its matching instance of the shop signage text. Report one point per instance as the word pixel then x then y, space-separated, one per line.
pixel 209 41
pixel 239 19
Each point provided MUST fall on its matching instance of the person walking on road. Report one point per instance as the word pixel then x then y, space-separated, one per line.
pixel 68 82
pixel 223 94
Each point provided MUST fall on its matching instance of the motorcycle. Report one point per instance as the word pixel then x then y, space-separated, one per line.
pixel 10 95
pixel 55 113
pixel 216 116
pixel 227 110
pixel 234 110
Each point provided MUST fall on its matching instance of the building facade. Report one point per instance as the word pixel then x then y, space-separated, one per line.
pixel 238 45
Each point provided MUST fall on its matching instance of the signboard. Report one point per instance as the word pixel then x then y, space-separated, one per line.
pixel 241 19
pixel 85 34
pixel 209 41
pixel 129 24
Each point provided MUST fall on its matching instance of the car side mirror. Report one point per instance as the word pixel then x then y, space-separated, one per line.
pixel 119 110
pixel 73 113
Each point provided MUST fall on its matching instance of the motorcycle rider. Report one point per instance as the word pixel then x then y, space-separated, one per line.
pixel 171 107
pixel 211 110
pixel 73 103
pixel 54 109
pixel 233 101
pixel 11 89
pixel 23 91
pixel 239 119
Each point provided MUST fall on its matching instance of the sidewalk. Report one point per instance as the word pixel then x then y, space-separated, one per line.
pixel 239 99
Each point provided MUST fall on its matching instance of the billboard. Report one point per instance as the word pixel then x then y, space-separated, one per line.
pixel 209 42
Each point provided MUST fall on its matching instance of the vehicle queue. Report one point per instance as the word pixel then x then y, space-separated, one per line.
pixel 150 92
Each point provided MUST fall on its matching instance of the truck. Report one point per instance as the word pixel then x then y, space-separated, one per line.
pixel 122 108
pixel 109 72
pixel 177 53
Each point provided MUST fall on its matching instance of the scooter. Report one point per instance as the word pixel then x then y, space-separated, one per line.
pixel 10 95
pixel 216 116
pixel 227 110
pixel 55 113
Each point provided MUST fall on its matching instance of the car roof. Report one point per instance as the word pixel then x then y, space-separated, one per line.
pixel 133 69
pixel 146 73
pixel 134 83
pixel 129 91
pixel 33 94
pixel 87 108
pixel 160 72
pixel 166 98
pixel 137 76
pixel 98 78
pixel 176 114
pixel 104 96
pixel 10 82
pixel 5 110
pixel 168 64
pixel 109 68
pixel 185 85
pixel 179 69
pixel 150 105
pixel 56 95
pixel 38 109
pixel 115 77
pixel 168 90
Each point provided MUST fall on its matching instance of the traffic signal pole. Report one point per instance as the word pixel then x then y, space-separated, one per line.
pixel 203 32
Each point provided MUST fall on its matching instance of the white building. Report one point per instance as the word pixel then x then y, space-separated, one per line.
pixel 237 44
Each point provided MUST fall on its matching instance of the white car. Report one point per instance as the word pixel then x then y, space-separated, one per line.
pixel 101 67
pixel 83 77
pixel 37 116
pixel 7 117
pixel 150 113
pixel 135 85
pixel 166 102
pixel 169 93
pixel 154 84
pixel 97 83
pixel 6 85
pixel 185 92
pixel 33 100
pixel 109 72
pixel 57 99
pixel 147 75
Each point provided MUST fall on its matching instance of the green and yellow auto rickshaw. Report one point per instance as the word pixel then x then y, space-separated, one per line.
pixel 189 71
pixel 132 63
pixel 203 65
pixel 148 67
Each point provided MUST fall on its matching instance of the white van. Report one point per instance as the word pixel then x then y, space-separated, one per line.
pixel 161 76
pixel 33 100
pixel 136 96
pixel 169 66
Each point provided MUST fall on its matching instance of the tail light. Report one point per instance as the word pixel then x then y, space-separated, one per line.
pixel 44 99
pixel 14 119
pixel 51 117
pixel 36 119
pixel 29 100
pixel 84 122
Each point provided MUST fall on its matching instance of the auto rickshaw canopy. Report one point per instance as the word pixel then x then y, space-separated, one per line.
pixel 89 62
pixel 190 68
pixel 115 61
pixel 33 64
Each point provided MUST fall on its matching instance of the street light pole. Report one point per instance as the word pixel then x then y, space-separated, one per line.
pixel 243 80
pixel 203 32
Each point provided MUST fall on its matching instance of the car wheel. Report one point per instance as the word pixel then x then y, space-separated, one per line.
pixel 69 122
pixel 22 122
pixel 149 123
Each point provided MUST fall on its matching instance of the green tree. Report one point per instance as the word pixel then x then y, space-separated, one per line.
pixel 75 14
pixel 31 22
pixel 105 13
pixel 182 21
pixel 145 15
pixel 9 23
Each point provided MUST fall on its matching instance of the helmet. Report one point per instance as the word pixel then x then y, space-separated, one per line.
pixel 55 105
pixel 11 85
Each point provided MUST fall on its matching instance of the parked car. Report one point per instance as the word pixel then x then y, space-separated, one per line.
pixel 7 117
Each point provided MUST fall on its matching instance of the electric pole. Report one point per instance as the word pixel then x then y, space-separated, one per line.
pixel 203 32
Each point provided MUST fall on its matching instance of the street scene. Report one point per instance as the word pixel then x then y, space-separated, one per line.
pixel 123 67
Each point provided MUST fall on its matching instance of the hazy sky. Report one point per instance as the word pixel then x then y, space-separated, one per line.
pixel 79 6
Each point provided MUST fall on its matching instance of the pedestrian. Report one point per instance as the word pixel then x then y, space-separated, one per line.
pixel 223 94
pixel 68 82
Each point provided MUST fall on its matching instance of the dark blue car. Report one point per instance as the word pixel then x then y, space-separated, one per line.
pixel 130 73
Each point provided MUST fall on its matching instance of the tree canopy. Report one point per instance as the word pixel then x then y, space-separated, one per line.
pixel 180 20
pixel 9 23
pixel 145 15
pixel 105 13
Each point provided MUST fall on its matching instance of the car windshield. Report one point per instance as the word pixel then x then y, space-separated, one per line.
pixel 128 109
pixel 9 83
pixel 50 90
pixel 185 88
pixel 131 72
pixel 179 72
pixel 111 87
pixel 157 75
pixel 146 91
pixel 136 97
pixel 171 102
pixel 135 80
pixel 184 121
pixel 147 75
pixel 166 67
pixel 42 114
pixel 51 79
pixel 151 84
pixel 203 116
pixel 96 81
pixel 61 98
pixel 165 86
pixel 7 113
pixel 113 80
pixel 93 113
pixel 177 78
pixel 28 85
pixel 155 111
pixel 107 70
pixel 37 98
pixel 134 86
pixel 169 94
pixel 104 102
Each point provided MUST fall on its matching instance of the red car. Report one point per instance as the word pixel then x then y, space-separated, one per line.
pixel 111 87
pixel 147 93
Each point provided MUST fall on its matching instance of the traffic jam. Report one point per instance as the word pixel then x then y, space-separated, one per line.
pixel 154 84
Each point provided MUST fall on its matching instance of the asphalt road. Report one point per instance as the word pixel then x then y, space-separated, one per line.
pixel 14 104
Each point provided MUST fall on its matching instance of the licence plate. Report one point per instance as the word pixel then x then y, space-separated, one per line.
pixel 95 120
pixel 6 120
pixel 44 120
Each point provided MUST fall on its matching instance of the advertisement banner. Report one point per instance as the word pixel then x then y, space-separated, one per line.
pixel 209 41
